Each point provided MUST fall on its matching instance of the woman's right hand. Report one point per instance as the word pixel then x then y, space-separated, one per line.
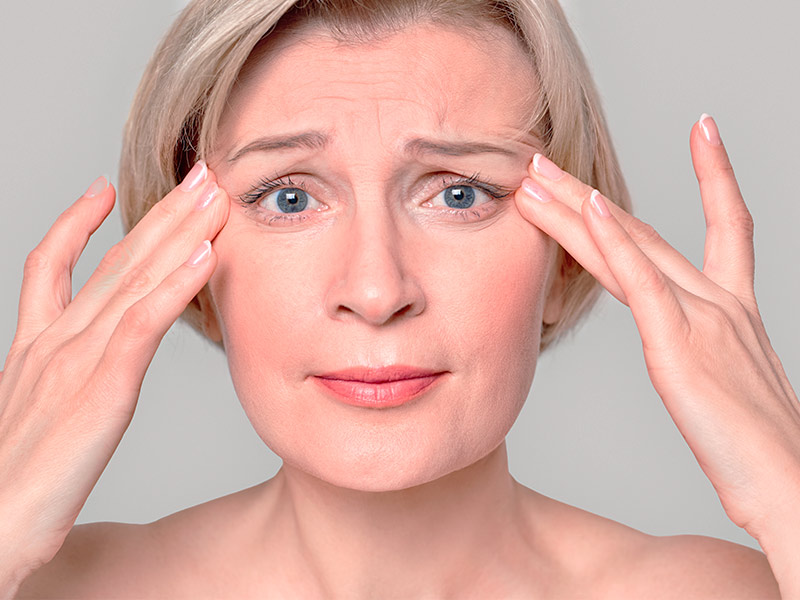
pixel 72 377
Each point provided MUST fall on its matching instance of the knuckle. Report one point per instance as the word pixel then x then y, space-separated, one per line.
pixel 165 212
pixel 723 169
pixel 651 281
pixel 735 309
pixel 138 321
pixel 37 354
pixel 36 262
pixel 742 222
pixel 139 282
pixel 117 259
pixel 177 288
pixel 643 233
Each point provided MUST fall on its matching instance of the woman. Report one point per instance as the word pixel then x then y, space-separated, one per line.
pixel 353 165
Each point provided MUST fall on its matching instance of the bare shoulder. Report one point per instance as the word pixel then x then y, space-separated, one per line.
pixel 693 566
pixel 164 558
pixel 607 559
pixel 90 562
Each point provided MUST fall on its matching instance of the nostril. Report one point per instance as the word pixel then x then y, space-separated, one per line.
pixel 403 311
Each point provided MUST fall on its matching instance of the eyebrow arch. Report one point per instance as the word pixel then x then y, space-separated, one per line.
pixel 416 146
pixel 311 140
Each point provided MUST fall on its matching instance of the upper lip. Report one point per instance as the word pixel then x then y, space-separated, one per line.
pixel 379 375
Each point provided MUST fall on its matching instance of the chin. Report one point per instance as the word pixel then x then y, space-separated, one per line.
pixel 389 462
pixel 377 477
pixel 380 450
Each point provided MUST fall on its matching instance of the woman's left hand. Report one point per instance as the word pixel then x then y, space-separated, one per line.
pixel 705 346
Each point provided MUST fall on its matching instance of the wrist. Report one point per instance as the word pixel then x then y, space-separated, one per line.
pixel 780 540
pixel 11 577
pixel 16 562
pixel 785 568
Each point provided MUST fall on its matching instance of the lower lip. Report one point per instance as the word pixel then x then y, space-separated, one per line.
pixel 378 395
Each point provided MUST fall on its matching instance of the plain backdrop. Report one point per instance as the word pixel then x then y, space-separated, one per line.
pixel 593 432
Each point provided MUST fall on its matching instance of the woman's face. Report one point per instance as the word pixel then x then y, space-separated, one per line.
pixel 373 225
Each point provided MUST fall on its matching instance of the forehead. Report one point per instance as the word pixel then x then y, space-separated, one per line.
pixel 453 80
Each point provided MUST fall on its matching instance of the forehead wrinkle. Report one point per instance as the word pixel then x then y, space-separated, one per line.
pixel 445 97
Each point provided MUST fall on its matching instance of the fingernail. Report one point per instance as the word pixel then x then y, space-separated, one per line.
pixel 207 196
pixel 710 129
pixel 194 177
pixel 99 185
pixel 599 204
pixel 534 191
pixel 547 168
pixel 198 256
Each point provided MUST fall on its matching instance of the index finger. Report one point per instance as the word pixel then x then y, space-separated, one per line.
pixel 729 258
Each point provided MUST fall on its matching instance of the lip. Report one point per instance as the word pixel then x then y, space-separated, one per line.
pixel 385 387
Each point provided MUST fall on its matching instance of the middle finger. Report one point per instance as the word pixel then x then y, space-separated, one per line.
pixel 564 222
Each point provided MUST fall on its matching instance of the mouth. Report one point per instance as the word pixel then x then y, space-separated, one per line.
pixel 385 387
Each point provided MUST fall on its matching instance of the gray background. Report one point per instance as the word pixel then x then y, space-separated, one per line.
pixel 593 433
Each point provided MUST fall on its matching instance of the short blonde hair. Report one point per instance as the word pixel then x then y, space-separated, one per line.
pixel 176 112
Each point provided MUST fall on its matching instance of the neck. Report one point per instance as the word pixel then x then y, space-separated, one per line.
pixel 452 534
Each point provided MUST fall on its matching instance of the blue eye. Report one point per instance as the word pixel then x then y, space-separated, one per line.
pixel 290 200
pixel 281 202
pixel 468 199
pixel 459 196
pixel 287 200
pixel 281 196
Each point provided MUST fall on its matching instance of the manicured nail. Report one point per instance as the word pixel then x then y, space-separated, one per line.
pixel 198 256
pixel 710 130
pixel 599 204
pixel 547 168
pixel 534 191
pixel 207 196
pixel 99 185
pixel 194 177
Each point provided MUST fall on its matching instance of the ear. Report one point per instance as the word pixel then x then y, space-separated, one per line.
pixel 554 299
pixel 204 316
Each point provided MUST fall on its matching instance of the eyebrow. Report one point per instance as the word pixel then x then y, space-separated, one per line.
pixel 310 140
pixel 417 146
pixel 317 140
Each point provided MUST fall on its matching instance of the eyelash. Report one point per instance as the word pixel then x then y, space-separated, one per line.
pixel 266 186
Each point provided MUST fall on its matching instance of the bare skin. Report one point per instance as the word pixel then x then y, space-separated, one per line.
pixel 414 503
pixel 213 550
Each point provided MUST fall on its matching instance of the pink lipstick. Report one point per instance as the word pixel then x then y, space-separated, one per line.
pixel 385 387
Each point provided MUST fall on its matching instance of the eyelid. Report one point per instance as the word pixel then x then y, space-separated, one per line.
pixel 497 192
pixel 266 186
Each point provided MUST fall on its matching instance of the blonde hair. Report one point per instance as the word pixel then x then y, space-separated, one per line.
pixel 177 108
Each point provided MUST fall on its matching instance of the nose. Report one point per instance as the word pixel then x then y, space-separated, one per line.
pixel 372 277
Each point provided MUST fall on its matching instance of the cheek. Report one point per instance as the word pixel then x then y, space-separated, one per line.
pixel 494 289
pixel 266 310
pixel 261 292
